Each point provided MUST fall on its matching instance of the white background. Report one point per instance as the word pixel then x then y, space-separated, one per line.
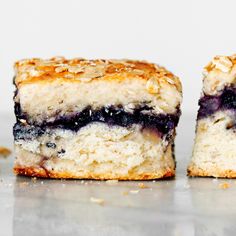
pixel 182 35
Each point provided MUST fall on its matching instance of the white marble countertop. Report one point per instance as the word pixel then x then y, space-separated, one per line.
pixel 180 206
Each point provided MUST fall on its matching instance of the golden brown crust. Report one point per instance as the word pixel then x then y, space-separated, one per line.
pixel 194 171
pixel 42 173
pixel 76 70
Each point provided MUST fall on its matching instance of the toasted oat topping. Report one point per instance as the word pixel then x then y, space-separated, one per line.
pixel 152 86
pixel 219 73
pixel 83 70
pixel 222 63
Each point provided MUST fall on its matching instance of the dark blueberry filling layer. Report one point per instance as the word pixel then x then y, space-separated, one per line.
pixel 211 104
pixel 162 123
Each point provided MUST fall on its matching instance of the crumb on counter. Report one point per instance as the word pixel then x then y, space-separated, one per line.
pixel 142 185
pixel 224 185
pixel 112 181
pixel 186 186
pixel 134 191
pixel 5 152
pixel 23 184
pixel 99 201
pixel 34 179
pixel 125 193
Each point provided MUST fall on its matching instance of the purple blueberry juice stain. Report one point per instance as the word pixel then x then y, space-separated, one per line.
pixel 211 104
pixel 208 106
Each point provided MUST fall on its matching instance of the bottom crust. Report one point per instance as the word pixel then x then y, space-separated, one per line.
pixel 41 173
pixel 194 171
pixel 68 169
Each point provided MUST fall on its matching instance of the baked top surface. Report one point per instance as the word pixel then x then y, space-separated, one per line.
pixel 79 69
pixel 219 73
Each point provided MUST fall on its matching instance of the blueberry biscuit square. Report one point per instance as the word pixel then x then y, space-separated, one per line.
pixel 214 152
pixel 95 119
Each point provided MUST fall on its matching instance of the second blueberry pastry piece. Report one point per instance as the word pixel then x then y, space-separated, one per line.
pixel 98 119
pixel 214 151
